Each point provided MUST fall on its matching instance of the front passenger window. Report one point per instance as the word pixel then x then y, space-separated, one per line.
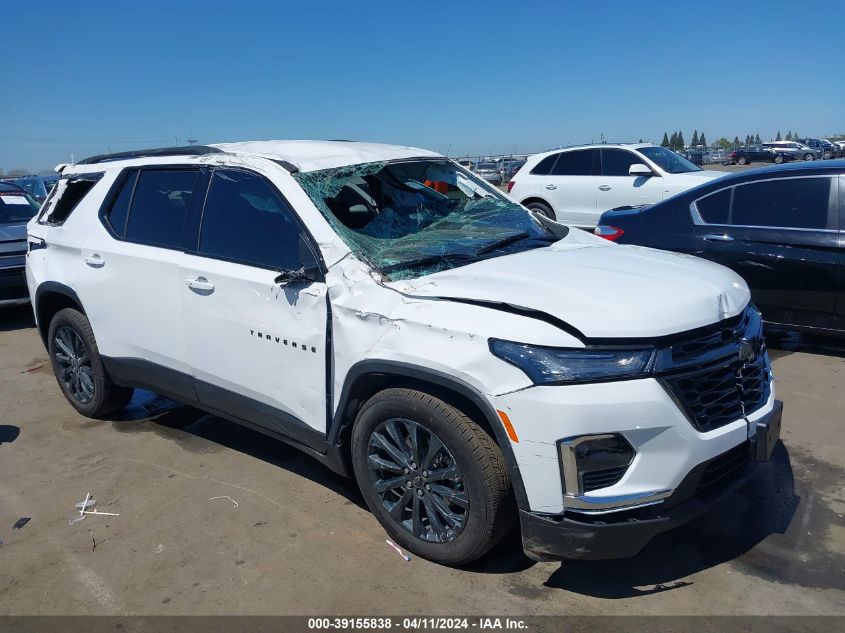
pixel 617 162
pixel 246 221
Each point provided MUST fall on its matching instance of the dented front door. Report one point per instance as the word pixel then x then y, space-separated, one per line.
pixel 257 347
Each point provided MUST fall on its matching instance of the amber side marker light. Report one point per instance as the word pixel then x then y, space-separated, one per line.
pixel 508 426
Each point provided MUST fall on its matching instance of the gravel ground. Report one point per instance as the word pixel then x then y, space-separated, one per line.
pixel 215 519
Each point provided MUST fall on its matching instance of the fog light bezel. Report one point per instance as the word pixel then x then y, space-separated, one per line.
pixel 570 473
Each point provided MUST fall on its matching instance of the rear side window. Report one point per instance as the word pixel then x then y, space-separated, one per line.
pixel 66 196
pixel 715 208
pixel 582 162
pixel 801 203
pixel 245 220
pixel 544 167
pixel 617 162
pixel 159 206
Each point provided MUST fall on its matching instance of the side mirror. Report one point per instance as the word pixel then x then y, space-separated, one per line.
pixel 304 274
pixel 638 169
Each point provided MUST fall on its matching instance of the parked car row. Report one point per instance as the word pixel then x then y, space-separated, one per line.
pixel 497 172
pixel 36 186
pixel 401 320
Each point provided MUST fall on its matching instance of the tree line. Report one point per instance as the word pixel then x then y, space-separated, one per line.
pixel 676 140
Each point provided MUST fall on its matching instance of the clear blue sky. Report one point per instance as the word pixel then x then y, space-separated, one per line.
pixel 468 77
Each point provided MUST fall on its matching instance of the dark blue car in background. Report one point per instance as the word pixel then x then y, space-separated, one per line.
pixel 781 228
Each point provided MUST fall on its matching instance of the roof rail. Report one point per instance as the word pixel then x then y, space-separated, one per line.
pixel 190 150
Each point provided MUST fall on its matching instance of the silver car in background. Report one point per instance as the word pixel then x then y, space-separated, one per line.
pixel 489 171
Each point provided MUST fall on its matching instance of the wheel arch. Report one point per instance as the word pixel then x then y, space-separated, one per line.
pixel 368 377
pixel 50 297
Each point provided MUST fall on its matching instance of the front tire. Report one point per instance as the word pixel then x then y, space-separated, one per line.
pixel 433 478
pixel 79 369
pixel 542 208
pixel 778 159
pixel 742 160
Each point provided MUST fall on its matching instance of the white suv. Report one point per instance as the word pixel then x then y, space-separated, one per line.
pixel 391 314
pixel 577 184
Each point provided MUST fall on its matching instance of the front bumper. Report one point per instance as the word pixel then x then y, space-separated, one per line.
pixel 623 534
pixel 13 288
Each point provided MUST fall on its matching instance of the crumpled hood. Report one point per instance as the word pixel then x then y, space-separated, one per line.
pixel 602 290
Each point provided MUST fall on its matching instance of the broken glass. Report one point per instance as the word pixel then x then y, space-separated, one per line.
pixel 415 217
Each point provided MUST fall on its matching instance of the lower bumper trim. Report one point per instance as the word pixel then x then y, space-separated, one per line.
pixel 623 534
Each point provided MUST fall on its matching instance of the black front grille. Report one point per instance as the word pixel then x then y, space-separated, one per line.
pixel 720 375
pixel 725 468
pixel 602 478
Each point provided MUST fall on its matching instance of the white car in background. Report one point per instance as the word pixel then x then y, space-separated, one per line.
pixel 577 184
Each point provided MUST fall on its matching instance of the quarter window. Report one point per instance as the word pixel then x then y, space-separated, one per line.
pixel 801 203
pixel 715 208
pixel 245 220
pixel 545 166
pixel 582 162
pixel 119 212
pixel 617 162
pixel 160 206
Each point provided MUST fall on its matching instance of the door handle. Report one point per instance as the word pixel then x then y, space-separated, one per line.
pixel 200 285
pixel 551 187
pixel 718 237
pixel 95 261
pixel 605 187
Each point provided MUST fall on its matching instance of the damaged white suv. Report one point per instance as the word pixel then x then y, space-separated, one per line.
pixel 396 317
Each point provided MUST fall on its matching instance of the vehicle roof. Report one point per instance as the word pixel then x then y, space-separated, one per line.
pixel 592 146
pixel 8 186
pixel 302 155
pixel 796 168
pixel 314 155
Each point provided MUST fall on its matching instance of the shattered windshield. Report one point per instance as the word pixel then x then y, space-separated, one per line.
pixel 416 217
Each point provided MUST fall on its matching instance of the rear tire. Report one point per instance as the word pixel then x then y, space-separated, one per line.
pixel 542 208
pixel 408 482
pixel 79 369
pixel 778 159
pixel 809 156
pixel 742 160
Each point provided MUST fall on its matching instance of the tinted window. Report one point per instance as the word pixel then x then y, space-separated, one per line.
pixel 616 162
pixel 791 202
pixel 245 220
pixel 159 206
pixel 119 211
pixel 577 163
pixel 714 208
pixel 544 167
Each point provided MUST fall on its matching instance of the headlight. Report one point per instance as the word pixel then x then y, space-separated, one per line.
pixel 551 365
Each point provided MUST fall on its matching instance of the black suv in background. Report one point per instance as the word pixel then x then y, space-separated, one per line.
pixel 756 154
pixel 781 228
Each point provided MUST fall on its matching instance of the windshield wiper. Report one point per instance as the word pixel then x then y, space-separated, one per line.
pixel 458 258
pixel 511 239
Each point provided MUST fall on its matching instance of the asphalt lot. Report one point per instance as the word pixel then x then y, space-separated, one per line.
pixel 216 519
